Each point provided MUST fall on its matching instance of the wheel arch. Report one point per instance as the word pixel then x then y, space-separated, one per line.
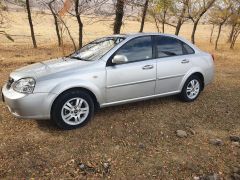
pixel 198 73
pixel 93 96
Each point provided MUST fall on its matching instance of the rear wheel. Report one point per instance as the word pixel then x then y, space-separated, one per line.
pixel 72 109
pixel 191 89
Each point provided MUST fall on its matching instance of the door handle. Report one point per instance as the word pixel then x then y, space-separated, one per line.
pixel 185 61
pixel 147 67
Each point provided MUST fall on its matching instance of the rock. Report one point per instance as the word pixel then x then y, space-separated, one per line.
pixel 117 147
pixel 196 178
pixel 192 131
pixel 236 176
pixel 216 142
pixel 82 166
pixel 181 133
pixel 236 170
pixel 237 144
pixel 106 167
pixel 235 138
pixel 210 177
pixel 141 146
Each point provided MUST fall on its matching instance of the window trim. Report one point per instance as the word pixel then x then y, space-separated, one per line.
pixel 109 61
pixel 181 42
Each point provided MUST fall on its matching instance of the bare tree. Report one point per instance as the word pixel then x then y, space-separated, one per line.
pixel 118 16
pixel 212 30
pixel 77 8
pixel 181 14
pixel 219 15
pixel 68 31
pixel 230 37
pixel 56 21
pixel 164 11
pixel 145 7
pixel 3 9
pixel 31 24
pixel 80 24
pixel 196 10
pixel 154 15
pixel 160 10
pixel 235 21
pixel 235 35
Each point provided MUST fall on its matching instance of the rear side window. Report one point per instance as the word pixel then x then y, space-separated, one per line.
pixel 188 49
pixel 168 46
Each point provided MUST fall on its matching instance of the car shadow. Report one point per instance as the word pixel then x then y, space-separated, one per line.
pixel 140 104
pixel 50 127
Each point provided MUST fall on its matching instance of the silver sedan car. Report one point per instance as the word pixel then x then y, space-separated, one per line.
pixel 108 71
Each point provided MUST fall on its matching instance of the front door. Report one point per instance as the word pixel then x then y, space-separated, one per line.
pixel 137 77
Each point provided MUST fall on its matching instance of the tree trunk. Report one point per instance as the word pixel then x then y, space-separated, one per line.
pixel 179 25
pixel 163 27
pixel 164 21
pixel 195 24
pixel 31 24
pixel 118 17
pixel 231 33
pixel 235 36
pixel 56 24
pixel 156 23
pixel 144 15
pixel 180 19
pixel 69 33
pixel 80 24
pixel 218 36
pixel 212 33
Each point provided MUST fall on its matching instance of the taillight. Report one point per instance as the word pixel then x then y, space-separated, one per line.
pixel 213 57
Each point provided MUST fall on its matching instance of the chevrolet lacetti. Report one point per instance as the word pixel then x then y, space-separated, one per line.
pixel 108 71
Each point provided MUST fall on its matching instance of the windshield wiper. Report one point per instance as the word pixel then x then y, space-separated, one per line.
pixel 78 58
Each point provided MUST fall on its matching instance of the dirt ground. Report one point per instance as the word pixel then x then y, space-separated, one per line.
pixel 134 141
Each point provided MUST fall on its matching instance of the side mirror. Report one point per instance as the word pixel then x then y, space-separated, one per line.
pixel 119 59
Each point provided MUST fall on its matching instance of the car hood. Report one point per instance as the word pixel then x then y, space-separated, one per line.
pixel 44 68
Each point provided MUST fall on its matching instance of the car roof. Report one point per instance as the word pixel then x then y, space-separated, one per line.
pixel 132 35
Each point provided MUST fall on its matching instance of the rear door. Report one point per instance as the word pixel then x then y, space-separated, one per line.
pixel 173 62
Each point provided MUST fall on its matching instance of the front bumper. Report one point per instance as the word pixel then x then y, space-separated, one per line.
pixel 30 106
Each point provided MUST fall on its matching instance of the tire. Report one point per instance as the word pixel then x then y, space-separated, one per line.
pixel 188 95
pixel 72 109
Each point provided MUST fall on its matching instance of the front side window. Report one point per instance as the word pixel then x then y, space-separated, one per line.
pixel 137 49
pixel 96 49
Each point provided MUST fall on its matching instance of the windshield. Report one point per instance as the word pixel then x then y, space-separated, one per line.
pixel 96 49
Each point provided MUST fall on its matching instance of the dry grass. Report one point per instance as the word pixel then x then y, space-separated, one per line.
pixel 31 148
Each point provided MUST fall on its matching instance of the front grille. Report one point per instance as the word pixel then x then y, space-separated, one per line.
pixel 9 83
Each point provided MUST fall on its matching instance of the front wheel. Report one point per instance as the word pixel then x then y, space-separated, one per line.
pixel 72 109
pixel 191 89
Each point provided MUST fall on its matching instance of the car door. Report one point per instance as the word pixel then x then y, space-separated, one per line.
pixel 173 62
pixel 137 77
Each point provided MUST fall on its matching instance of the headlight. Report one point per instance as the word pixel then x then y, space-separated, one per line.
pixel 25 85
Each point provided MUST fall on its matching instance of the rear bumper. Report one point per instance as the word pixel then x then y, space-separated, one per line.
pixel 30 106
